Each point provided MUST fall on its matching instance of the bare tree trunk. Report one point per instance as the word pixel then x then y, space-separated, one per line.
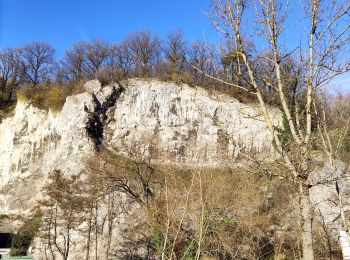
pixel 88 242
pixel 306 225
pixel 110 204
pixel 66 253
pixel 96 231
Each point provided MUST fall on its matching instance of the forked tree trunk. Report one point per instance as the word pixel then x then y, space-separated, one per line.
pixel 306 225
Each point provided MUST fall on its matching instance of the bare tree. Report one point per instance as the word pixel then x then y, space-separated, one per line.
pixel 203 57
pixel 9 71
pixel 37 62
pixel 327 38
pixel 85 59
pixel 96 56
pixel 175 51
pixel 64 211
pixel 143 47
pixel 75 61
pixel 119 61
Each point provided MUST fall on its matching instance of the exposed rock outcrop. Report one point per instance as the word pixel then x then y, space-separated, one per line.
pixel 167 122
pixel 327 180
pixel 172 123
pixel 187 125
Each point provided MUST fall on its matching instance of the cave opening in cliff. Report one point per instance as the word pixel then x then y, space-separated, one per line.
pixel 5 244
pixel 5 240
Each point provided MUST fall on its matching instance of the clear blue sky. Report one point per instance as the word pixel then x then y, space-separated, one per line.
pixel 63 22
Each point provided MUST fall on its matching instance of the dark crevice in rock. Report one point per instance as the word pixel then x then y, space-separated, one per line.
pixel 97 119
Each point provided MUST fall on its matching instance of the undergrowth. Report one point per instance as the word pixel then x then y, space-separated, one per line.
pixel 48 97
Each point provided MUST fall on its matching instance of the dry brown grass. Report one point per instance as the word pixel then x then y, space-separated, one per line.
pixel 207 212
pixel 225 214
pixel 190 213
pixel 48 96
pixel 197 213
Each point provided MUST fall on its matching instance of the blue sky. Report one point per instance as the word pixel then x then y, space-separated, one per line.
pixel 63 22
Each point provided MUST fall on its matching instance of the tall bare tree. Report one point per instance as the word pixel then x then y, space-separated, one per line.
pixel 75 61
pixel 143 47
pixel 96 56
pixel 85 59
pixel 37 62
pixel 119 60
pixel 64 210
pixel 175 51
pixel 9 71
pixel 204 58
pixel 326 38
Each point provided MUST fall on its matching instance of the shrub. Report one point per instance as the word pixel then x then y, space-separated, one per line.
pixel 211 86
pixel 22 241
pixel 32 224
pixel 4 216
pixel 44 97
pixel 157 237
pixel 49 96
pixel 232 213
pixel 20 244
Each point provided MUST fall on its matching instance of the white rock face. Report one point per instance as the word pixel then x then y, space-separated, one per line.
pixel 34 142
pixel 325 181
pixel 172 123
pixel 182 124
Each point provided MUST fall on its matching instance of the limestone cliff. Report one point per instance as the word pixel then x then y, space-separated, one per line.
pixel 169 122
pixel 166 122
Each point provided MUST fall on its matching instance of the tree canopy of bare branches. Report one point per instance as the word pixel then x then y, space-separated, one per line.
pixel 37 62
pixel 175 49
pixel 143 48
pixel 9 71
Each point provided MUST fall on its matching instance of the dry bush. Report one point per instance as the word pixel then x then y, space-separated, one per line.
pixel 240 95
pixel 49 96
pixel 187 214
pixel 338 111
pixel 193 213
pixel 221 213
pixel 44 97
pixel 326 247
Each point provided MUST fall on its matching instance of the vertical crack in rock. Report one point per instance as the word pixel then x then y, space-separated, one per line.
pixel 98 117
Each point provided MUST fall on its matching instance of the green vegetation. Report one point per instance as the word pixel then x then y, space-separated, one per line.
pixel 4 216
pixel 157 237
pixel 20 245
pixel 22 240
pixel 190 251
pixel 284 133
